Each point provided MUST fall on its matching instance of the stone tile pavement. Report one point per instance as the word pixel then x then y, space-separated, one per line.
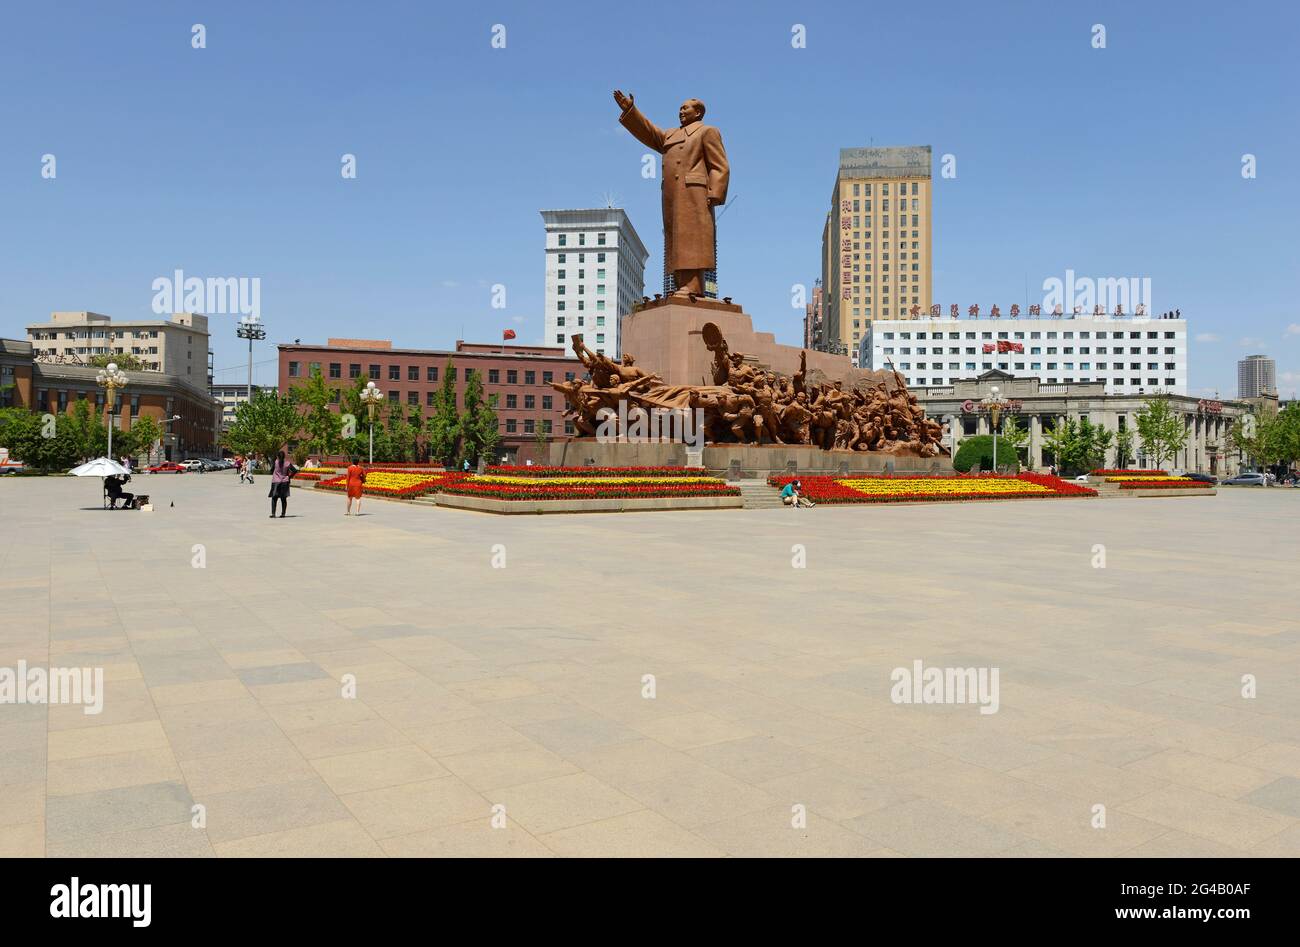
pixel 519 696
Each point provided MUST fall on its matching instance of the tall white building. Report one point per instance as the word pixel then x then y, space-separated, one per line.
pixel 1131 355
pixel 595 271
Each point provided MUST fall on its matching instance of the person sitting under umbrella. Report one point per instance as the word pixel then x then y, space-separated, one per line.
pixel 115 492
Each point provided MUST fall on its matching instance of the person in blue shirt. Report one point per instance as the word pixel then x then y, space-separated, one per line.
pixel 790 493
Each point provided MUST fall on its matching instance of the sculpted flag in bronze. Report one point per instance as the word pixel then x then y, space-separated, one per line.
pixel 695 176
pixel 747 404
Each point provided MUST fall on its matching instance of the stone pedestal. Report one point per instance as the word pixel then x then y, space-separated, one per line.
pixel 665 337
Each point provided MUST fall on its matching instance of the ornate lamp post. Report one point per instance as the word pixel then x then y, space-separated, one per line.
pixel 371 396
pixel 994 405
pixel 249 328
pixel 111 379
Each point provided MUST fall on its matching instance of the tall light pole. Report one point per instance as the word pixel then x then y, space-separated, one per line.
pixel 111 379
pixel 249 328
pixel 994 405
pixel 371 396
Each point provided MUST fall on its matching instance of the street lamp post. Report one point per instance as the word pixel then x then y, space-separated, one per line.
pixel 249 328
pixel 994 405
pixel 111 379
pixel 370 397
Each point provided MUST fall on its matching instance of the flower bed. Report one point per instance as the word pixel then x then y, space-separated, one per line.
pixel 537 472
pixel 1157 480
pixel 1171 483
pixel 1101 472
pixel 590 488
pixel 834 490
pixel 389 483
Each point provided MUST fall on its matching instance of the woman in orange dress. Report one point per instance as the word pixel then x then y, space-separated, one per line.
pixel 356 477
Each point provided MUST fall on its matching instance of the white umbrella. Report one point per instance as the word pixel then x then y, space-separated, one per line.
pixel 99 467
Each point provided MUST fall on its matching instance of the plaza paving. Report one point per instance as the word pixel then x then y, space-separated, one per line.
pixel 522 687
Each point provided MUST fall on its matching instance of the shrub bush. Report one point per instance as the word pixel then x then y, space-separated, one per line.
pixel 979 450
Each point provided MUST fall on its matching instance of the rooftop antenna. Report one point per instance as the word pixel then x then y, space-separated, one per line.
pixel 611 200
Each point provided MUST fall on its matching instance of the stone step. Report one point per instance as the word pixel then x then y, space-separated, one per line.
pixel 758 495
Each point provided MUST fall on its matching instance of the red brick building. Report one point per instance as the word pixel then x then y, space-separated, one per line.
pixel 519 375
pixel 55 386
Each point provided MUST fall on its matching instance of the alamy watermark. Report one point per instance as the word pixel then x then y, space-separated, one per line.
pixel 215 295
pixel 1083 294
pixel 637 425
pixel 949 685
pixel 36 685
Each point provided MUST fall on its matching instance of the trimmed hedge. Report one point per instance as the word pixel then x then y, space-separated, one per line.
pixel 979 449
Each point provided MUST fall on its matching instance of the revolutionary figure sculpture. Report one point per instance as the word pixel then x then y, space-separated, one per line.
pixel 752 405
pixel 695 176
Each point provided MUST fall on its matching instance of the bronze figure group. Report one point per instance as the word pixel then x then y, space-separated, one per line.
pixel 747 404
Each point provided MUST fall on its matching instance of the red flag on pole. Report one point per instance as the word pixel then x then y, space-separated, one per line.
pixel 507 335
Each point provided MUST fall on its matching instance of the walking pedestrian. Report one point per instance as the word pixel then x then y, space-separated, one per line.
pixel 356 477
pixel 282 470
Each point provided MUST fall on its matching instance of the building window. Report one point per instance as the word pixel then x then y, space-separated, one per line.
pixel 528 426
pixel 451 373
pixel 512 376
pixel 354 370
pixel 413 397
pixel 293 369
pixel 412 372
pixel 510 425
pixel 428 398
pixel 512 401
pixel 564 239
pixel 374 372
pixel 530 378
pixel 393 396
pixel 494 376
pixel 530 402
pixel 547 377
pixel 394 372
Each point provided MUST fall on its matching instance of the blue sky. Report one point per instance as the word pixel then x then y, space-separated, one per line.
pixel 224 161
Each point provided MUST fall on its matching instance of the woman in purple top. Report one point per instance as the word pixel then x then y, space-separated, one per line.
pixel 282 470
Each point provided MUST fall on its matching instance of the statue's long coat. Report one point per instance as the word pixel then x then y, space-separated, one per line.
pixel 694 169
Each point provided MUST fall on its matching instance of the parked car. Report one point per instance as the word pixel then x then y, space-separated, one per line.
pixel 192 464
pixel 1202 477
pixel 1246 480
pixel 10 468
pixel 168 467
pixel 207 464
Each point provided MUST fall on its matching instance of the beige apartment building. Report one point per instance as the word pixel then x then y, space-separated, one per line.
pixel 178 346
pixel 877 261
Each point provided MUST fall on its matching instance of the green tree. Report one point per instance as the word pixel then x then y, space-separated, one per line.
pixel 479 427
pixel 144 434
pixel 444 423
pixel 979 449
pixel 264 425
pixel 1123 448
pixel 321 426
pixel 1077 446
pixel 88 432
pixel 1161 430
pixel 123 360
pixel 24 433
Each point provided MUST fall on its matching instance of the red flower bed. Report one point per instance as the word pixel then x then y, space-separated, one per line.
pixel 541 473
pixel 835 490
pixel 623 491
pixel 1163 485
pixel 307 475
pixel 1129 473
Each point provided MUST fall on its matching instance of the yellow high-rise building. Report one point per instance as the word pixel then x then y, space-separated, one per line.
pixel 876 244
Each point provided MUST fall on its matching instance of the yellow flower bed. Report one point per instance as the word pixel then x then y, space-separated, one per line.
pixel 587 481
pixel 394 481
pixel 1163 479
pixel 937 486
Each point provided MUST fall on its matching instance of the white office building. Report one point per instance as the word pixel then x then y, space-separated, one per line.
pixel 1132 355
pixel 595 272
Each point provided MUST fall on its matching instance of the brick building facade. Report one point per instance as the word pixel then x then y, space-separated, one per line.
pixel 519 375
